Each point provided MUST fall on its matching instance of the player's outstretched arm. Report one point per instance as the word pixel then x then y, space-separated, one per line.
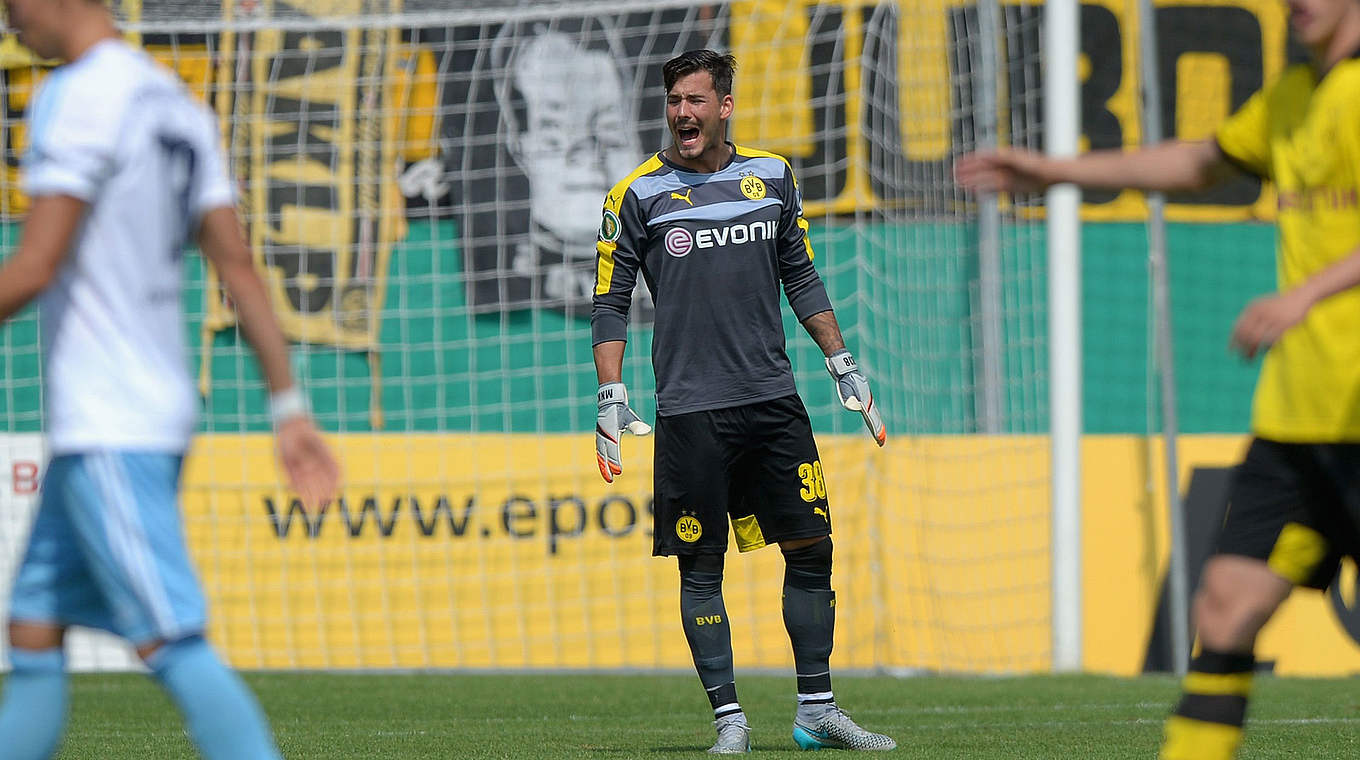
pixel 851 385
pixel 48 232
pixel 1175 166
pixel 311 467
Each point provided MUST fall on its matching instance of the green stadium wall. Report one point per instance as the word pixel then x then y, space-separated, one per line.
pixel 443 369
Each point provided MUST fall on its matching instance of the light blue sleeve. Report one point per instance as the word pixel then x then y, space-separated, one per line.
pixel 72 139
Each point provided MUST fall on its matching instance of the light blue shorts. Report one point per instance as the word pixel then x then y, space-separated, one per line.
pixel 107 550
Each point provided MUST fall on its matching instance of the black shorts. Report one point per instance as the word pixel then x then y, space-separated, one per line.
pixel 756 465
pixel 1297 507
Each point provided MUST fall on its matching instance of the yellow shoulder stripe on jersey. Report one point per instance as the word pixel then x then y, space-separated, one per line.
pixel 746 152
pixel 756 153
pixel 615 200
pixel 604 262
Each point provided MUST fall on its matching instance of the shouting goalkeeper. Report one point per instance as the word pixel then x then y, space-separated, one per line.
pixel 715 229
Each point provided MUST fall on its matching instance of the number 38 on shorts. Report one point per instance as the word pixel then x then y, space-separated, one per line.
pixel 813 485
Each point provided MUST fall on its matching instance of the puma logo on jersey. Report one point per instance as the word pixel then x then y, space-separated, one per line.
pixel 822 512
pixel 685 197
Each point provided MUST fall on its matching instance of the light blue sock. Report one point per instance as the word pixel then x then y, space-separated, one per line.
pixel 34 711
pixel 221 715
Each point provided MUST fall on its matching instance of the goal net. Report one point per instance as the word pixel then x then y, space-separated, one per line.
pixel 422 188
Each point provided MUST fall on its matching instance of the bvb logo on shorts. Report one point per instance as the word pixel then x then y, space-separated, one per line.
pixel 752 187
pixel 688 529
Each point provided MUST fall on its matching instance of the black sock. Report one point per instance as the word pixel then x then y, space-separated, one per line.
pixel 810 618
pixel 707 630
pixel 1207 724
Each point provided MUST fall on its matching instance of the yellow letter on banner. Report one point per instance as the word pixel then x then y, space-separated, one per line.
pixel 923 78
pixel 774 84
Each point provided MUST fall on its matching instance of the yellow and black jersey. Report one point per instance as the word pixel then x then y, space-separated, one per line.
pixel 1303 134
pixel 713 249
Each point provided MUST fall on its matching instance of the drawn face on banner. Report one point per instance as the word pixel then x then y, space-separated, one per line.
pixel 577 137
pixel 545 116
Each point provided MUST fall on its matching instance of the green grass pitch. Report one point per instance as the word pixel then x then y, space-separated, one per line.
pixel 431 715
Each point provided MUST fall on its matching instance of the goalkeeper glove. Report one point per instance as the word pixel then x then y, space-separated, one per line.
pixel 854 392
pixel 614 418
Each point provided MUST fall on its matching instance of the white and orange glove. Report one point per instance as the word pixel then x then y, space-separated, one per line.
pixel 613 418
pixel 854 393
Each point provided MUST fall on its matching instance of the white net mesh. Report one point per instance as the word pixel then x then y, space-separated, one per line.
pixel 423 188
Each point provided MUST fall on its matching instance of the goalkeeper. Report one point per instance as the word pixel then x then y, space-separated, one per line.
pixel 1295 500
pixel 715 229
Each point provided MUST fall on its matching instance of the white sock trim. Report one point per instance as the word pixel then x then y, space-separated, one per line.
pixel 821 696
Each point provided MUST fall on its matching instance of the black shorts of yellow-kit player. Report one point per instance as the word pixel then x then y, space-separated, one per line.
pixel 1297 507
pixel 755 465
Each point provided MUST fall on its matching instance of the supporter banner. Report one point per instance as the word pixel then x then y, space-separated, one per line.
pixel 550 113
pixel 314 123
pixel 886 91
pixel 857 95
pixel 518 129
pixel 310 118
pixel 508 552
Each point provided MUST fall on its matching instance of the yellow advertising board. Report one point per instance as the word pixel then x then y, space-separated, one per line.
pixel 507 551
pixel 1124 549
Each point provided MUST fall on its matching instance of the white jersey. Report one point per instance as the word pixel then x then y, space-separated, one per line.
pixel 121 133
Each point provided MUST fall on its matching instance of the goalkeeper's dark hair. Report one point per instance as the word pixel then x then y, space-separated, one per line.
pixel 719 66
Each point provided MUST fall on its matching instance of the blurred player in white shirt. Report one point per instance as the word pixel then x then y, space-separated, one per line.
pixel 124 169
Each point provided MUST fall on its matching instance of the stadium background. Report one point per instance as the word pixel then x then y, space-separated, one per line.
pixel 474 532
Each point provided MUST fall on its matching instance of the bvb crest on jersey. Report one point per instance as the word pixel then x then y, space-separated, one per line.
pixel 752 187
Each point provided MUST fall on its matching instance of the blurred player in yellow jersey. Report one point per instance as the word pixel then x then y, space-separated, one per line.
pixel 1295 502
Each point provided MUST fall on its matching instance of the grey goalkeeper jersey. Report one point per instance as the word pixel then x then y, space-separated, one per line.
pixel 713 250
